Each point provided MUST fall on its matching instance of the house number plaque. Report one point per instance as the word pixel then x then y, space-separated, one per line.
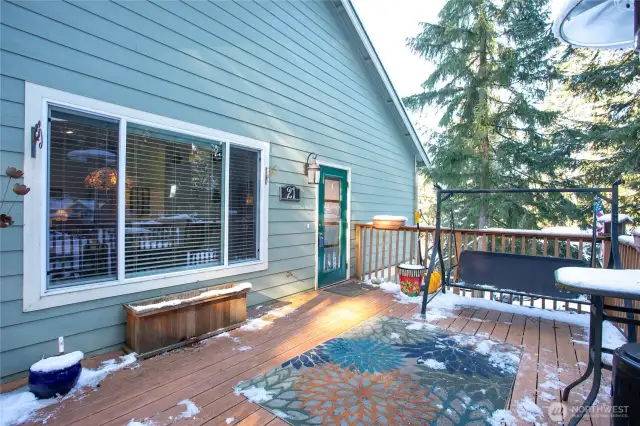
pixel 289 193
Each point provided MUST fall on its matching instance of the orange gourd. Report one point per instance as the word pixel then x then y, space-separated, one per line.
pixel 434 282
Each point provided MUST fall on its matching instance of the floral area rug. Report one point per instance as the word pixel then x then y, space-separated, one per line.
pixel 389 371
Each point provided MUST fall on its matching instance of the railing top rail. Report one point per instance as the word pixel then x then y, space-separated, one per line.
pixel 523 190
pixel 507 232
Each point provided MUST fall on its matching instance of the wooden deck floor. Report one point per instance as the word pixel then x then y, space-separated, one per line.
pixel 206 373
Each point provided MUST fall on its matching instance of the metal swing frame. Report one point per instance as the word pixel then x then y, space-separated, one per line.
pixel 444 194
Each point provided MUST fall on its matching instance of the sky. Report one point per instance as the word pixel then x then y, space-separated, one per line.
pixel 389 23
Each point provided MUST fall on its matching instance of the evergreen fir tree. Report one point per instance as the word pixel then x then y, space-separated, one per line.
pixel 609 81
pixel 493 71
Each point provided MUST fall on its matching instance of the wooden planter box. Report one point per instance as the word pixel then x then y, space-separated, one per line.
pixel 183 318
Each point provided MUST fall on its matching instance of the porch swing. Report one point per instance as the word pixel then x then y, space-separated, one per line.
pixel 514 274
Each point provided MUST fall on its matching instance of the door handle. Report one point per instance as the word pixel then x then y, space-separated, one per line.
pixel 320 239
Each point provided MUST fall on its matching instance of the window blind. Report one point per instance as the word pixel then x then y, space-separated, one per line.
pixel 243 204
pixel 174 201
pixel 82 198
pixel 174 206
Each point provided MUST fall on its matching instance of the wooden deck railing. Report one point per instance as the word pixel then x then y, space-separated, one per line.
pixel 378 251
pixel 630 258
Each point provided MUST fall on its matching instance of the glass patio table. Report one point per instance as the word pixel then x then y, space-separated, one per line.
pixel 598 284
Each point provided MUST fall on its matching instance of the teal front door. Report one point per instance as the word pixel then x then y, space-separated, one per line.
pixel 332 226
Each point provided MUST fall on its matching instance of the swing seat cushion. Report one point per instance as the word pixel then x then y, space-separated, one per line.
pixel 514 273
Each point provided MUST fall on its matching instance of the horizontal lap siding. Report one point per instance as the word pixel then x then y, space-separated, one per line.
pixel 282 72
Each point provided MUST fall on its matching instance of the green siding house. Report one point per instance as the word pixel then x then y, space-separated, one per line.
pixel 210 111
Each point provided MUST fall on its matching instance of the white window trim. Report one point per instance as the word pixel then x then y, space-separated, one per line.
pixel 34 288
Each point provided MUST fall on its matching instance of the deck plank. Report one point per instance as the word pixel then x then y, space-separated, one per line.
pixel 445 323
pixel 516 330
pixel 568 368
pixel 578 334
pixel 278 422
pixel 187 372
pixel 207 373
pixel 488 325
pixel 399 310
pixel 237 413
pixel 501 328
pixel 581 351
pixel 461 321
pixel 547 366
pixel 303 307
pixel 411 313
pixel 476 320
pixel 220 380
pixel 258 418
pixel 526 379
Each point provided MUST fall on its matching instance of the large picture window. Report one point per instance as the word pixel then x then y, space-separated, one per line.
pixel 137 199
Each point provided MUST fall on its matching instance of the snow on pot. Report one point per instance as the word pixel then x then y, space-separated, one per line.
pixel 389 222
pixel 56 375
pixel 411 278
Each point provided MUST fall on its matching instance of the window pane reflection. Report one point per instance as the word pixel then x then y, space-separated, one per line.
pixel 174 201
pixel 83 202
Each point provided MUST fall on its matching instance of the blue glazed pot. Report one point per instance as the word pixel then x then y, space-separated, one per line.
pixel 49 384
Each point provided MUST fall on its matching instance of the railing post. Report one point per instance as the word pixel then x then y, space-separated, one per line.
pixel 358 250
pixel 375 273
pixel 390 255
pixel 370 249
pixel 397 251
pixel 404 246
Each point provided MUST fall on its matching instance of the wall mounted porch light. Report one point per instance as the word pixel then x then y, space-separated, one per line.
pixel 312 170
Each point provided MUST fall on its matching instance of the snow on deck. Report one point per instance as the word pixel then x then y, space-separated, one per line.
pixel 443 305
pixel 21 406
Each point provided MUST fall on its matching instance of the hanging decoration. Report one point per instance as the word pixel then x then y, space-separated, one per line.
pixel 18 188
pixel 104 178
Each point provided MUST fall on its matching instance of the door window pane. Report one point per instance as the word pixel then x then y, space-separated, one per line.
pixel 332 221
pixel 243 205
pixel 83 201
pixel 174 201
pixel 332 189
